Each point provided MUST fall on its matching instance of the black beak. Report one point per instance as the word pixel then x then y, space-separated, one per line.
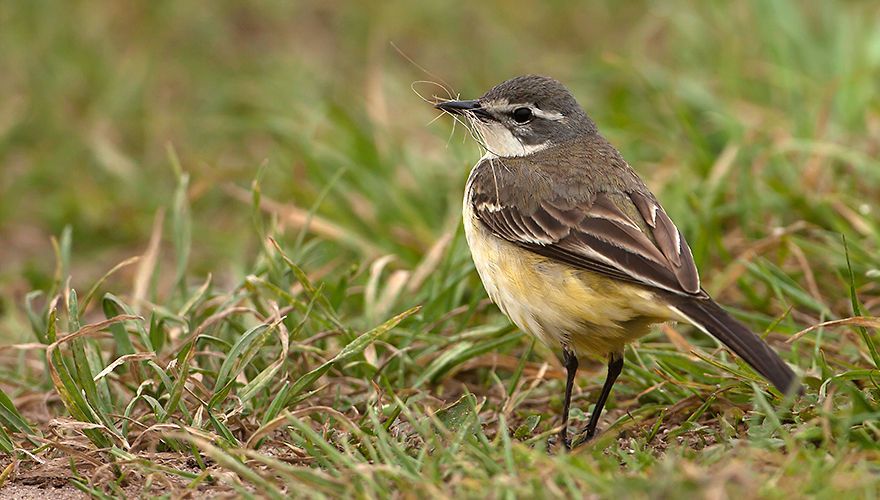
pixel 458 107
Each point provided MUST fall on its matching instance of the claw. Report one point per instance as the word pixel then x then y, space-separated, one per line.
pixel 561 437
pixel 585 437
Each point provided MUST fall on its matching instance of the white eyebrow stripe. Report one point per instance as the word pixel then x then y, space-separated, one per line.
pixel 504 107
pixel 547 115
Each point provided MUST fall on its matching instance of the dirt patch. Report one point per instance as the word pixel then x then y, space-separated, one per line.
pixel 52 479
pixel 29 492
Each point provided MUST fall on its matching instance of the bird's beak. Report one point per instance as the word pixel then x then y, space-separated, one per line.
pixel 458 107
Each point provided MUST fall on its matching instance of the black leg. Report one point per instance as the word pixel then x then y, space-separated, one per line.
pixel 570 362
pixel 615 365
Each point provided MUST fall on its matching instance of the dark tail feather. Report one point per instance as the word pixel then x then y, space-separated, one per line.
pixel 708 315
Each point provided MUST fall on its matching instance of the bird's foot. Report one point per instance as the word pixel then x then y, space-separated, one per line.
pixel 561 439
pixel 584 437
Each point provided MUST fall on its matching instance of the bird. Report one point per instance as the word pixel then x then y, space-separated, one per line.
pixel 573 247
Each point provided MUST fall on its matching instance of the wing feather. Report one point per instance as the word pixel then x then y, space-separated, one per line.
pixel 669 241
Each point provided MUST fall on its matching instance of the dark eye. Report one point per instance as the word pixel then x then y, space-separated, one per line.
pixel 522 115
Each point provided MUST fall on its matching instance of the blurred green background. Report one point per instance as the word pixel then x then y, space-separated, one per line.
pixel 745 116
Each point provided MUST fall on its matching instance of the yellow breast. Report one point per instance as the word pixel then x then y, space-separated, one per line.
pixel 559 304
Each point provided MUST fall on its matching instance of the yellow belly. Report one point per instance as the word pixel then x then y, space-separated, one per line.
pixel 560 305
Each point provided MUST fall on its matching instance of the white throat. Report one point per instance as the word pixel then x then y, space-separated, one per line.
pixel 499 141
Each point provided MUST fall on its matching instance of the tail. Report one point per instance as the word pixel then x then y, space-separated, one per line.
pixel 708 316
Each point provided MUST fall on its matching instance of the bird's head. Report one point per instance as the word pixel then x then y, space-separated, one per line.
pixel 523 115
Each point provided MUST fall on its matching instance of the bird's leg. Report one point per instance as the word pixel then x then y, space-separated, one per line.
pixel 570 362
pixel 615 365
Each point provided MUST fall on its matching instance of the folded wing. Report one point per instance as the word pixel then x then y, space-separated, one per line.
pixel 627 236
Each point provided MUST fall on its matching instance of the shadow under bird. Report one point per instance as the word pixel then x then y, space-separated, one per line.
pixel 572 246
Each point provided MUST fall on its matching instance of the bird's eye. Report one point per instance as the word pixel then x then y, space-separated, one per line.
pixel 522 115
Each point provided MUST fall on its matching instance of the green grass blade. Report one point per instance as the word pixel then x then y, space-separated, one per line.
pixel 857 310
pixel 353 348
pixel 233 364
pixel 11 418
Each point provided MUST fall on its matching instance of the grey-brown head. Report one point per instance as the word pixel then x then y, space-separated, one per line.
pixel 523 115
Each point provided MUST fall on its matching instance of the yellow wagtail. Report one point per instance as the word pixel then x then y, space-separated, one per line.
pixel 570 243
